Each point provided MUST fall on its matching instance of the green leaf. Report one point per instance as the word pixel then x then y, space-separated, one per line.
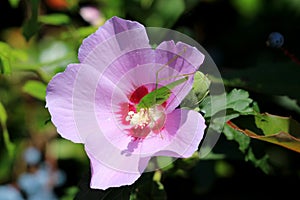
pixel 288 103
pixel 240 138
pixel 3 115
pixel 6 166
pixel 261 163
pixel 160 95
pixel 149 185
pixel 8 144
pixel 212 105
pixel 271 124
pixel 289 139
pixel 65 149
pixel 164 13
pixel 69 193
pixel 232 132
pixel 283 139
pixel 238 100
pixel 5 66
pixel 8 56
pixel 54 19
pixel 223 169
pixel 79 33
pixel 164 162
pixel 31 26
pixel 248 8
pixel 36 89
pixel 14 3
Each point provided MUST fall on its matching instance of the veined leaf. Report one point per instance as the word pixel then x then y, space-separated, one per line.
pixel 234 134
pixel 272 124
pixel 238 100
pixel 278 130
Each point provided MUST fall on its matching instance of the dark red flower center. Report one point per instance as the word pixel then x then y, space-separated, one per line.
pixel 146 119
pixel 138 94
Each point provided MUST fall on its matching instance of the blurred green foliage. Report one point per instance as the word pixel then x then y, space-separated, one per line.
pixel 39 38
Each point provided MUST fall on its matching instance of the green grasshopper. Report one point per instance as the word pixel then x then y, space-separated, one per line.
pixel 159 95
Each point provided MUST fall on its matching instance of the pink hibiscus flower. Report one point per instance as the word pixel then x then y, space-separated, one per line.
pixel 100 102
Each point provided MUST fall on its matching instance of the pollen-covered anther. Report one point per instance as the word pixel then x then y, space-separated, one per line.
pixel 139 119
